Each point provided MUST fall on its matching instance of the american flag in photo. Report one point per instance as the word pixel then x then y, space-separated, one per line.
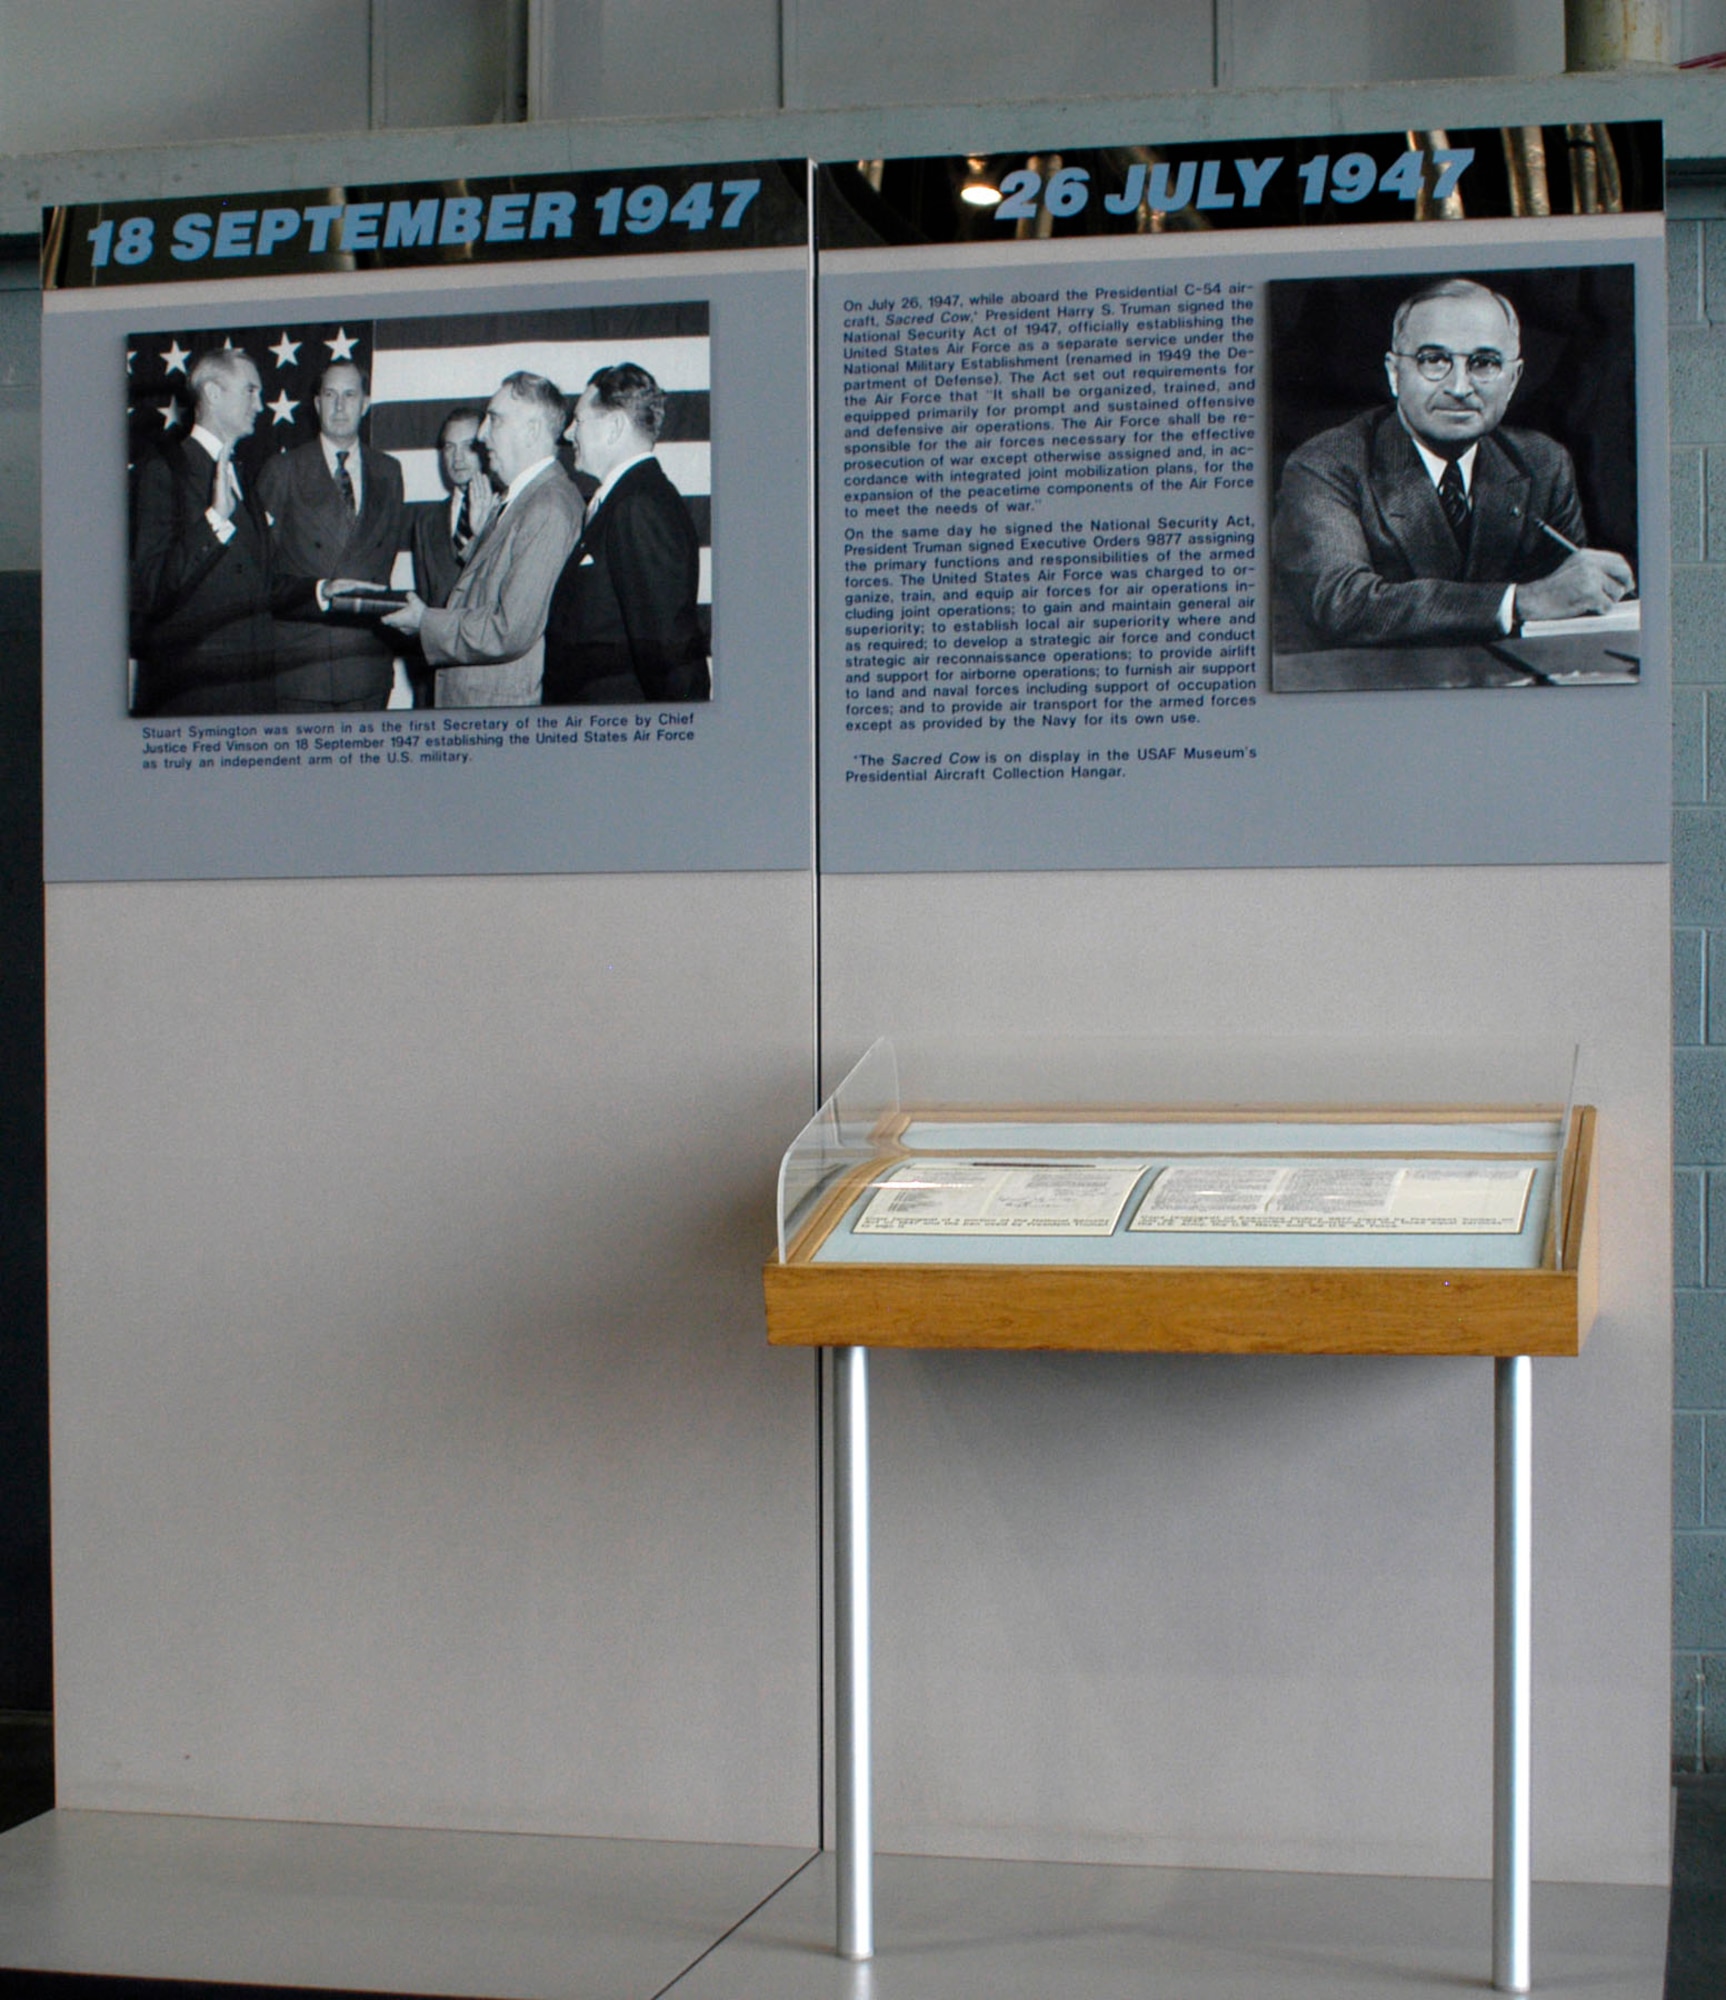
pixel 290 359
pixel 424 368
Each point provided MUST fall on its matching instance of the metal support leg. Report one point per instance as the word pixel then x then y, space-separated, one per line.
pixel 1513 1594
pixel 856 1814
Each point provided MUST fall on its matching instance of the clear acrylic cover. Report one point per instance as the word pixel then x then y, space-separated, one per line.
pixel 1118 1116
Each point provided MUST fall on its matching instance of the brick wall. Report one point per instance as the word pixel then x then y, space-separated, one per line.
pixel 1697 271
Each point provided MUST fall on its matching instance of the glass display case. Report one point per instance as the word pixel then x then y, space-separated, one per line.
pixel 1203 1197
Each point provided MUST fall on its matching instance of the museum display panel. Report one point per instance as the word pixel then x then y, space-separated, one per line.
pixel 582 683
pixel 1129 553
pixel 407 1233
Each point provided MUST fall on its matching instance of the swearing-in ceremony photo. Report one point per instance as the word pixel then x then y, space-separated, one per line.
pixel 473 511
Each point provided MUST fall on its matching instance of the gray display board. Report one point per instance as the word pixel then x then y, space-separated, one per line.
pixel 1051 633
pixel 654 785
pixel 1126 555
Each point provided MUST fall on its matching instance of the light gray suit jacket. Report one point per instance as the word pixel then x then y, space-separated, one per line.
pixel 488 642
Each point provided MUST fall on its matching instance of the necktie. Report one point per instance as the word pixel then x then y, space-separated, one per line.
pixel 463 525
pixel 345 482
pixel 228 485
pixel 1453 498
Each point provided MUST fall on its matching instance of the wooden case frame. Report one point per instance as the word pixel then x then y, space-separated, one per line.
pixel 1176 1309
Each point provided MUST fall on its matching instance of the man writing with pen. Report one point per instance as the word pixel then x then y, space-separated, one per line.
pixel 1428 523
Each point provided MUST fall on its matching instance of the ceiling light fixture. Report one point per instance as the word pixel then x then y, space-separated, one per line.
pixel 977 188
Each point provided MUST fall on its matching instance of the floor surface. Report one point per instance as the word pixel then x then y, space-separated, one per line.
pixel 379 1909
pixel 958 1930
pixel 148 1898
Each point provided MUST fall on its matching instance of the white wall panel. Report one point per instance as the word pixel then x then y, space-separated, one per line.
pixel 418 1455
pixel 973 51
pixel 658 58
pixel 84 73
pixel 1237 1612
pixel 1282 42
pixel 1701 27
pixel 441 62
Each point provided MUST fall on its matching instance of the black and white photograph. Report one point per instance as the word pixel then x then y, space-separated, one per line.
pixel 484 510
pixel 1454 465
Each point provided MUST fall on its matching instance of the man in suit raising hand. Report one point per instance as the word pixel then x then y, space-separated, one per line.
pixel 201 579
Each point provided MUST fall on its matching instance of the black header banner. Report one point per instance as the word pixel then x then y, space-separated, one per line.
pixel 746 205
pixel 1415 176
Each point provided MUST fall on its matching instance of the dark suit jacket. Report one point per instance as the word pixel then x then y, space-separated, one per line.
pixel 623 624
pixel 200 625
pixel 316 534
pixel 435 564
pixel 1365 557
pixel 435 573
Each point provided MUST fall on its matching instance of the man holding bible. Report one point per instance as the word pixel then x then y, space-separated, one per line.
pixel 1428 522
pixel 487 644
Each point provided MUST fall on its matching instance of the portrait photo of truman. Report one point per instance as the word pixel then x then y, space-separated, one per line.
pixel 492 510
pixel 1453 465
